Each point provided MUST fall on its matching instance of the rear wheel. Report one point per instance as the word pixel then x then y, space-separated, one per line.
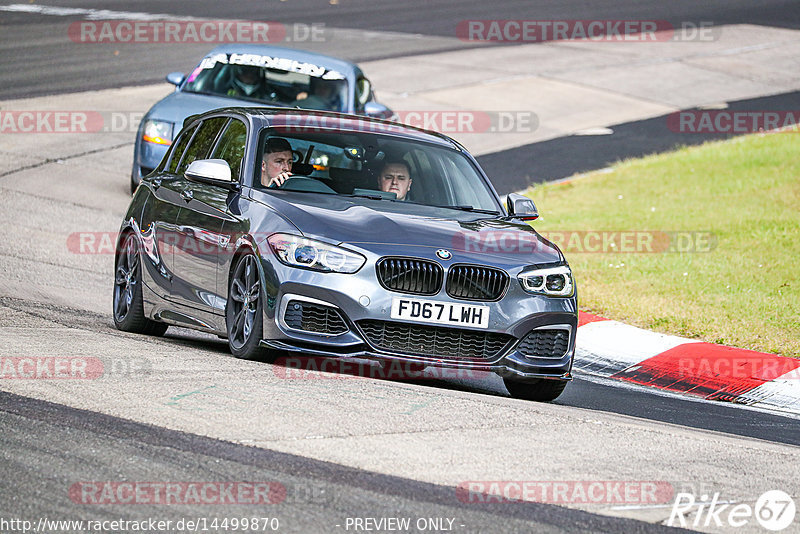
pixel 244 312
pixel 128 306
pixel 540 390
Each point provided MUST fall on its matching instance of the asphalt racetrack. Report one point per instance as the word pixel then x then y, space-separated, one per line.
pixel 180 409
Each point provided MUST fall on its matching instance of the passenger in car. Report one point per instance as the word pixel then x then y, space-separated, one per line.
pixel 276 164
pixel 395 177
pixel 324 95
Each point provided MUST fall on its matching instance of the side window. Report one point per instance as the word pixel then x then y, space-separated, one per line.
pixel 231 146
pixel 177 152
pixel 202 141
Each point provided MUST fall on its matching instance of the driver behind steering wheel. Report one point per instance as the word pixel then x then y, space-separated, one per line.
pixel 276 165
pixel 248 82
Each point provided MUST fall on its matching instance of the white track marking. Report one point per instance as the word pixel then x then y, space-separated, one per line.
pixel 91 14
pixel 601 130
pixel 782 393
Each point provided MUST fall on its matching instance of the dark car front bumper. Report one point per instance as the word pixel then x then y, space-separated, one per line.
pixel 359 297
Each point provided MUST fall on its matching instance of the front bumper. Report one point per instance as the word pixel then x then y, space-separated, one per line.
pixel 506 368
pixel 359 297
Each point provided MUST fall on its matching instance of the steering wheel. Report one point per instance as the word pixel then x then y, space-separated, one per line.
pixel 304 183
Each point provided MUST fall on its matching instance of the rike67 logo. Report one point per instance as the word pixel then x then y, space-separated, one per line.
pixel 774 510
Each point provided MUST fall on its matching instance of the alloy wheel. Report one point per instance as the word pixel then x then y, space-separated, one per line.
pixel 245 292
pixel 125 278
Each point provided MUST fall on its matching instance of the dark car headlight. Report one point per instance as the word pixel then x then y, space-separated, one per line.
pixel 297 251
pixel 551 281
pixel 158 132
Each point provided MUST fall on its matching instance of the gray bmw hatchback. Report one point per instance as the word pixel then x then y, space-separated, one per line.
pixel 340 236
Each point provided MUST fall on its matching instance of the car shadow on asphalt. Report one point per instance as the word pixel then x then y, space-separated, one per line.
pixel 292 365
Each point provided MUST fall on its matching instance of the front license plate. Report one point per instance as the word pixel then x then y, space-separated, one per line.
pixel 447 313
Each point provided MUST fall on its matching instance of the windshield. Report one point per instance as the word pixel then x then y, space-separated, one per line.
pixel 269 80
pixel 374 166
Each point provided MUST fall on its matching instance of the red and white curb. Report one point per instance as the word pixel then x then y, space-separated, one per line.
pixel 714 372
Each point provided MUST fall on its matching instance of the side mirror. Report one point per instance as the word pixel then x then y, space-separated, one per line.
pixel 521 207
pixel 211 171
pixel 363 91
pixel 175 78
pixel 377 110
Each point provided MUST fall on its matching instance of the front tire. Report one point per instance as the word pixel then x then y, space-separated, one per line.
pixel 540 390
pixel 128 305
pixel 244 317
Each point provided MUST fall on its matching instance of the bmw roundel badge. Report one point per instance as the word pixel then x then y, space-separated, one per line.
pixel 444 254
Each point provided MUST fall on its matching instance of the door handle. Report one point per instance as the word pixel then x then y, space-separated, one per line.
pixel 186 195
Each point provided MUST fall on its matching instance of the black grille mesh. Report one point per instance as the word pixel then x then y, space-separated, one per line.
pixel 409 275
pixel 314 318
pixel 476 283
pixel 545 343
pixel 434 341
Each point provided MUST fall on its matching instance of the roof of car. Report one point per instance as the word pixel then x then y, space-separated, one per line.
pixel 345 67
pixel 300 120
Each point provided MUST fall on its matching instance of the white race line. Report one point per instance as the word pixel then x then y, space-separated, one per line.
pixel 595 131
pixel 91 14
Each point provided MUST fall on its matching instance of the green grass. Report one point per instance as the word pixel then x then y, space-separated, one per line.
pixel 745 292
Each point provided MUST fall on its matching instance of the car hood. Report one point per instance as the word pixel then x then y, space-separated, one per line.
pixel 179 105
pixel 386 227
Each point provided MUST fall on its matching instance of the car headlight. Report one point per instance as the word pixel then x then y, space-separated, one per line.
pixel 158 132
pixel 297 251
pixel 551 281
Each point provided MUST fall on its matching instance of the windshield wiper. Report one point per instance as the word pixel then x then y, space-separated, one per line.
pixel 206 93
pixel 472 209
pixel 371 197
